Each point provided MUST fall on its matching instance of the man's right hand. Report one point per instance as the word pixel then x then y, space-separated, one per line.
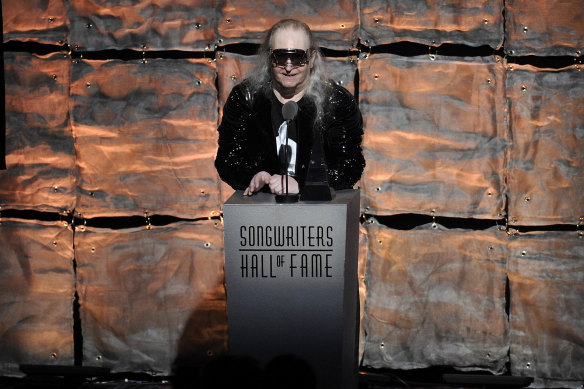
pixel 257 182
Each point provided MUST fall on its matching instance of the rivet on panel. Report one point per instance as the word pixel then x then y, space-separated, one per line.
pixel 233 77
pixel 488 355
pixel 491 248
pixel 490 194
pixel 488 81
pixel 209 353
pixel 525 29
pixel 486 21
pixel 380 242
pixel 51 19
pixel 382 345
pixel 376 76
pixel 88 84
pixel 207 244
pixel 54 243
pixel 202 192
pixel 432 57
pixel 93 249
pixel 376 20
pixel 55 189
pixel 228 20
pixel 523 88
pixel 54 76
pixel 88 25
pixel 378 189
pixel 523 253
pixel 98 358
pixel 528 365
pixel 197 26
pixel 527 199
pixel 53 355
pixel 342 26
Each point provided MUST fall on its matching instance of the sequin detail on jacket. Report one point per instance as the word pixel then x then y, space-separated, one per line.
pixel 247 143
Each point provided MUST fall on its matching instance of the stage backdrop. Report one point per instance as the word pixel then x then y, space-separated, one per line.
pixel 472 235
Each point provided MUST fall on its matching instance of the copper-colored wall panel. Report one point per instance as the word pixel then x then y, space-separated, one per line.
pixel 546 273
pixel 335 22
pixel 544 27
pixel 475 23
pixel 40 154
pixel 546 164
pixel 145 137
pixel 435 297
pixel 150 295
pixel 435 138
pixel 149 24
pixel 43 21
pixel 37 285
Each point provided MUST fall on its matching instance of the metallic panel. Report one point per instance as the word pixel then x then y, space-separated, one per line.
pixel 151 296
pixel 40 152
pixel 334 22
pixel 435 137
pixel 546 164
pixel 37 286
pixel 43 21
pixel 149 24
pixel 145 137
pixel 544 27
pixel 474 23
pixel 546 273
pixel 435 297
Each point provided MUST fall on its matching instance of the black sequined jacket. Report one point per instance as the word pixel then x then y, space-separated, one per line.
pixel 247 142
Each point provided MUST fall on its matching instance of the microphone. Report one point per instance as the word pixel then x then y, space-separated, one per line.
pixel 289 112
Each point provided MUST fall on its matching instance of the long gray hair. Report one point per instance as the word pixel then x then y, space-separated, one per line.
pixel 260 78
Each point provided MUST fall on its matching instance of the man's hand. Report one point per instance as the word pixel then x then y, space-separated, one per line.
pixel 257 182
pixel 278 184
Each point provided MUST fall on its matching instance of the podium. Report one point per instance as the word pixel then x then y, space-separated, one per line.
pixel 291 282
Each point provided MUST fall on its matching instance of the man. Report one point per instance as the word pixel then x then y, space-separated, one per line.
pixel 252 132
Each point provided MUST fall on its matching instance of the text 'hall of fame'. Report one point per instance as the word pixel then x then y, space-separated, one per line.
pixel 301 251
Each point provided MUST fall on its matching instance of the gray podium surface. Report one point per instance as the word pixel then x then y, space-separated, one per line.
pixel 291 281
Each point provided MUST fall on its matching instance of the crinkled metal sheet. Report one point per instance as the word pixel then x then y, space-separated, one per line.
pixel 435 138
pixel 145 137
pixel 362 272
pixel 335 23
pixel 40 154
pixel 436 297
pixel 546 164
pixel 151 296
pixel 546 282
pixel 544 27
pixel 474 23
pixel 147 24
pixel 37 286
pixel 43 21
